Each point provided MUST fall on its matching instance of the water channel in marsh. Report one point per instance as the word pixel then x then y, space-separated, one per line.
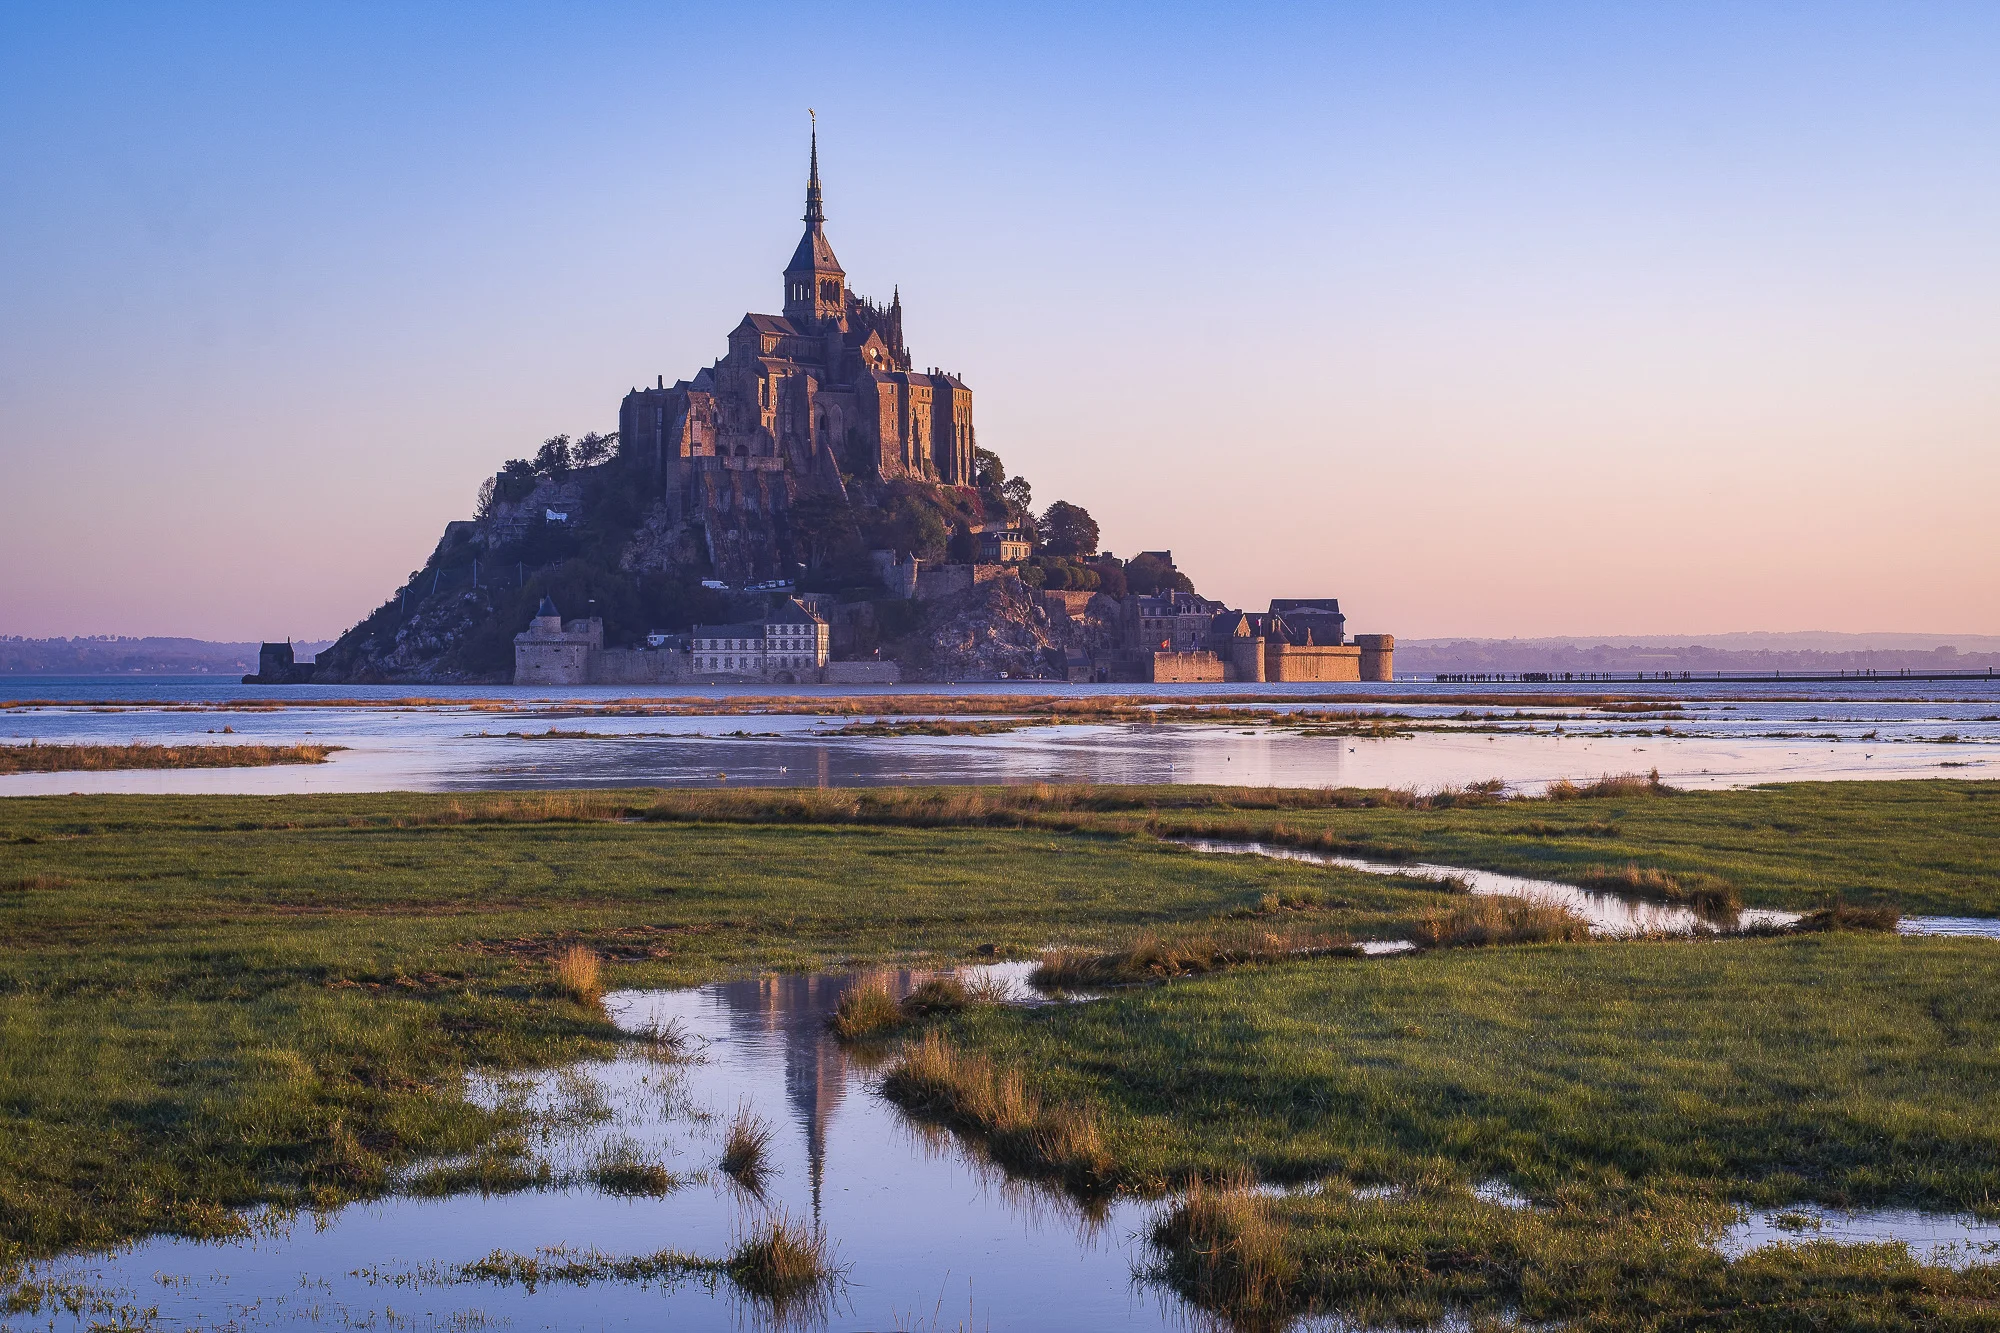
pixel 1607 913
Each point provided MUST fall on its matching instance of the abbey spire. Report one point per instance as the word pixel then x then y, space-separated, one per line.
pixel 815 214
pixel 815 284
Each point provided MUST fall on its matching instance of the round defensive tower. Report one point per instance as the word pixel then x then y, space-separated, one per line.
pixel 1378 656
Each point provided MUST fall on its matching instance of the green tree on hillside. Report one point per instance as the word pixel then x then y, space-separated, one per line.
pixel 1068 529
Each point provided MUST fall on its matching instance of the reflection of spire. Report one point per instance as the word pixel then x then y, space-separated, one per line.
pixel 795 1009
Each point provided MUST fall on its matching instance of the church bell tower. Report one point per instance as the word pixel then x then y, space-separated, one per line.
pixel 815 284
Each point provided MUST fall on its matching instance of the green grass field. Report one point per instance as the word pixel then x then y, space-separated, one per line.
pixel 211 1002
pixel 1629 1088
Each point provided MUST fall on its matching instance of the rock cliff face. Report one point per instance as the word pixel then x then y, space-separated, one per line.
pixel 998 627
pixel 591 539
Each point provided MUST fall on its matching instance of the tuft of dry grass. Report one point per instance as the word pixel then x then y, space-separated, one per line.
pixel 667 1043
pixel 37 758
pixel 867 1010
pixel 864 1011
pixel 1227 1253
pixel 746 1149
pixel 1020 1130
pixel 1500 920
pixel 622 1169
pixel 784 1261
pixel 1705 893
pixel 1155 958
pixel 1850 916
pixel 1609 786
pixel 579 975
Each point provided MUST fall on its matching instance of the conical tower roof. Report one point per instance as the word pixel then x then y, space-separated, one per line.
pixel 815 252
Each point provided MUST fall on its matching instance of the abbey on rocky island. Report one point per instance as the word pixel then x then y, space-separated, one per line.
pixel 800 398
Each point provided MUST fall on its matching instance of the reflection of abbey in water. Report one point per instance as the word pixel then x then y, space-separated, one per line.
pixel 794 1009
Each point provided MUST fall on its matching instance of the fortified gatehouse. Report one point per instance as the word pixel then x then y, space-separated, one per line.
pixel 1192 641
pixel 552 651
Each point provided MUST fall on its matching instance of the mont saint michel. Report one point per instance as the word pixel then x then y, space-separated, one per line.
pixel 811 508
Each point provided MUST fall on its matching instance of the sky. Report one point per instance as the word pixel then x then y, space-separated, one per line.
pixel 1517 319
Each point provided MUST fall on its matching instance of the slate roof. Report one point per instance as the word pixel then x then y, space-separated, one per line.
pixel 795 612
pixel 814 255
pixel 744 629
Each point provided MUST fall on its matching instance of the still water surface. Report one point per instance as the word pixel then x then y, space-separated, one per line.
pixel 1718 740
pixel 929 1232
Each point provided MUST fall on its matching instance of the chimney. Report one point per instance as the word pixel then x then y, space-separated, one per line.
pixel 663 382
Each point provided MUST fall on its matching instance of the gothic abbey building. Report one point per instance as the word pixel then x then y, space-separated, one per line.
pixel 801 398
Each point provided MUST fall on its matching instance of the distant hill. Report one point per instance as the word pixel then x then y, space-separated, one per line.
pixel 1814 650
pixel 122 655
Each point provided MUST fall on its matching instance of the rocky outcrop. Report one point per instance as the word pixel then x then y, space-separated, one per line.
pixel 998 627
pixel 424 648
pixel 664 543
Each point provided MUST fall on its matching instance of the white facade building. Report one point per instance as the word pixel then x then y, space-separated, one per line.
pixel 790 646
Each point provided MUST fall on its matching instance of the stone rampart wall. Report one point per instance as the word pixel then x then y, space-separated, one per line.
pixel 1187 668
pixel 941 581
pixel 640 666
pixel 1070 602
pixel 1285 661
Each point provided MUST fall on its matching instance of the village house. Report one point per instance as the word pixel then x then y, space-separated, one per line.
pixel 790 646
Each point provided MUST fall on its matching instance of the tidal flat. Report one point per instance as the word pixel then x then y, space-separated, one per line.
pixel 210 1005
pixel 1413 734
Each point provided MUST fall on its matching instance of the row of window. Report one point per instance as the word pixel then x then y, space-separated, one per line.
pixel 751 663
pixel 795 637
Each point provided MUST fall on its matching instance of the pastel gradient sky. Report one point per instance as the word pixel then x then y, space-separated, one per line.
pixel 1489 319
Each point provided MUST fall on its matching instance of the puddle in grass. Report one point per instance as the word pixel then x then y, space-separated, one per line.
pixel 929 1234
pixel 1608 913
pixel 1948 1240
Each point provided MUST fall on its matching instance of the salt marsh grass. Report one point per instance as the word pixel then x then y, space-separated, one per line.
pixel 1708 894
pixel 1021 1129
pixel 623 1167
pixel 1156 957
pixel 579 975
pixel 746 1149
pixel 1226 1252
pixel 36 758
pixel 788 1264
pixel 301 984
pixel 866 1010
pixel 1499 920
pixel 1847 916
